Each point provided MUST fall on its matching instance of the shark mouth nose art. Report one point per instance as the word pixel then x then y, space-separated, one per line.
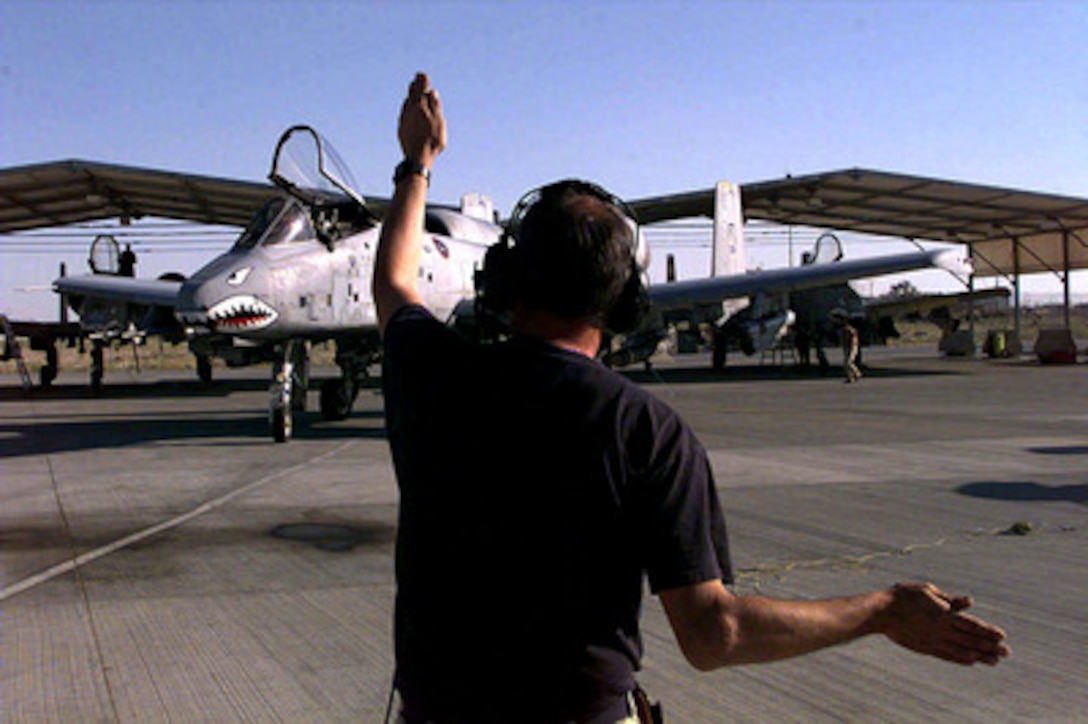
pixel 240 314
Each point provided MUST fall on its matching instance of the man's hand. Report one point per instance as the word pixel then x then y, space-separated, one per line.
pixel 929 621
pixel 422 134
pixel 422 128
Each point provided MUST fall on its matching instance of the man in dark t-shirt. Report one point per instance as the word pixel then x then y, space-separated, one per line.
pixel 537 487
pixel 536 471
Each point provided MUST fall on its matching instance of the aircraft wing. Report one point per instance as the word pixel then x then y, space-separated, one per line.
pixel 697 292
pixel 42 330
pixel 144 292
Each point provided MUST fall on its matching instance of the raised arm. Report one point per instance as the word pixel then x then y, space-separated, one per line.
pixel 422 134
pixel 715 628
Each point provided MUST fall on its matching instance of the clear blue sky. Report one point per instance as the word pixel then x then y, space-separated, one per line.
pixel 644 97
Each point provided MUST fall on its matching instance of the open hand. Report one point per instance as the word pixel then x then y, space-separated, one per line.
pixel 929 621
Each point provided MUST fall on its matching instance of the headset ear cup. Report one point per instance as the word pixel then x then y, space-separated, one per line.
pixel 631 306
pixel 494 294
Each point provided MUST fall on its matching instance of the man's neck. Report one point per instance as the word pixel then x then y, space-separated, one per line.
pixel 574 335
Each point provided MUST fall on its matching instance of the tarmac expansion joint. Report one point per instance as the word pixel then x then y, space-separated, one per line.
pixel 754 575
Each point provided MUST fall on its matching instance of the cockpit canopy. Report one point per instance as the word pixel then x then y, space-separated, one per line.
pixel 307 166
pixel 310 170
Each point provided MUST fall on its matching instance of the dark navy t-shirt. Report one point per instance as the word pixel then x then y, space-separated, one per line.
pixel 537 487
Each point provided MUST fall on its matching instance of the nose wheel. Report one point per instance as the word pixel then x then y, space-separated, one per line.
pixel 282 423
pixel 288 390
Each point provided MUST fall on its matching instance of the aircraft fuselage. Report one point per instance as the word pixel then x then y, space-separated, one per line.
pixel 289 284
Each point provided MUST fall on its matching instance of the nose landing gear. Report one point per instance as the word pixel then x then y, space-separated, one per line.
pixel 288 391
pixel 290 380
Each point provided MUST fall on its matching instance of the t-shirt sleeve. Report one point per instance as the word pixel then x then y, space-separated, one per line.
pixel 685 535
pixel 419 350
pixel 416 354
pixel 410 329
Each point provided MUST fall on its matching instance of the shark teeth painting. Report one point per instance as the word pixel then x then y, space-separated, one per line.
pixel 240 314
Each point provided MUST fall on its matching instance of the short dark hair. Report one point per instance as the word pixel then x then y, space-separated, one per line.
pixel 575 252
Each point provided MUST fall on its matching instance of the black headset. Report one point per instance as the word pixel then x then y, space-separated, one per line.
pixel 496 281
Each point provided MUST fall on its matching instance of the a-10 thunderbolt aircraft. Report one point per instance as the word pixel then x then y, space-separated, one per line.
pixel 300 272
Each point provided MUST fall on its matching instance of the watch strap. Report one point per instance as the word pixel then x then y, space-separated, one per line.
pixel 407 168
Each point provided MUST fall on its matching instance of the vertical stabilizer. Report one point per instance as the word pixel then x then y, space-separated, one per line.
pixel 727 256
pixel 478 206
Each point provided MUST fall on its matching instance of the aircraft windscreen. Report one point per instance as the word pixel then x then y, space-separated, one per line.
pixel 292 226
pixel 335 168
pixel 278 221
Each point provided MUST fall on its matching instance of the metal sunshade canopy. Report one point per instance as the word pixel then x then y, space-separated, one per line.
pixel 66 192
pixel 74 191
pixel 1010 232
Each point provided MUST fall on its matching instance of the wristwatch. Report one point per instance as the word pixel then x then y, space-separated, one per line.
pixel 407 168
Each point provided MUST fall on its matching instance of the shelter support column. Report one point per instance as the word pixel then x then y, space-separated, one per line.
pixel 1016 286
pixel 971 303
pixel 1066 276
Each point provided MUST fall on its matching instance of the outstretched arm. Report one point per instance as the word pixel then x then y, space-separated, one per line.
pixel 422 134
pixel 715 628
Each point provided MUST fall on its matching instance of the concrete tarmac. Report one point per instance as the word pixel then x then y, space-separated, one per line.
pixel 162 560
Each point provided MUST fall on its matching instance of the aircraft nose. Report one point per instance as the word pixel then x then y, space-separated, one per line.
pixel 953 261
pixel 191 310
pixel 225 304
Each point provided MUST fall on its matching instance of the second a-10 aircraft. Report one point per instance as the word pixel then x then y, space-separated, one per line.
pixel 300 272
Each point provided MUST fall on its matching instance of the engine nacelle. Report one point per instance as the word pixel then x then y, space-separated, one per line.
pixel 767 332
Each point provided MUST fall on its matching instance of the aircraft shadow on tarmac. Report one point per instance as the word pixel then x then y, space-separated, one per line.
pixel 1031 491
pixel 1025 491
pixel 770 373
pixel 148 389
pixel 1060 450
pixel 133 390
pixel 696 374
pixel 341 536
pixel 225 429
